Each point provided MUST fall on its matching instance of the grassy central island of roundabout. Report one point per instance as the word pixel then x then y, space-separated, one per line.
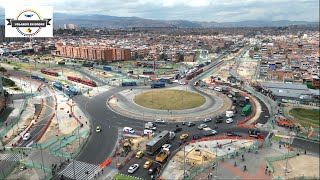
pixel 169 99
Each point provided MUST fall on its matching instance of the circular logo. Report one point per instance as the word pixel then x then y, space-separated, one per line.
pixel 28 15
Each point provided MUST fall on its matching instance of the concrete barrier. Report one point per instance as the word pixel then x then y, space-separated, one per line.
pixel 45 128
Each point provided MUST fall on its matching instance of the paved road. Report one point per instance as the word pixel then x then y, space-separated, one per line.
pixel 48 110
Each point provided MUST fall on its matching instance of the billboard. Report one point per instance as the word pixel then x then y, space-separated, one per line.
pixel 29 21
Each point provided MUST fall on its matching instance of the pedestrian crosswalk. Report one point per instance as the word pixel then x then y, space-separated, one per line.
pixel 10 157
pixel 80 170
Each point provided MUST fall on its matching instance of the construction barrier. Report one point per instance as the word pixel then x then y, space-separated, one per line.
pixel 45 128
pixel 74 116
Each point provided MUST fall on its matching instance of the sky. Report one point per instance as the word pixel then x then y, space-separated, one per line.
pixel 193 10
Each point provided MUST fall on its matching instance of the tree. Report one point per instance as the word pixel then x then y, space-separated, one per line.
pixel 3 70
pixel 181 58
pixel 8 82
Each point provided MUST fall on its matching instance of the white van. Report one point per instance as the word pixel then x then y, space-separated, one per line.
pixel 229 114
pixel 128 130
pixel 26 137
pixel 148 131
pixel 218 89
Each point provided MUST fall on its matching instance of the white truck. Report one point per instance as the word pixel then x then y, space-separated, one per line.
pixel 229 114
pixel 150 125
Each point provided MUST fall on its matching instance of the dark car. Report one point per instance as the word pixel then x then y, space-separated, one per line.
pixel 177 130
pixel 152 170
pixel 233 134
pixel 191 124
pixel 219 119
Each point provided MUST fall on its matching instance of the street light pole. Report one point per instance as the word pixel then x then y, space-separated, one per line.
pixel 42 162
pixel 184 161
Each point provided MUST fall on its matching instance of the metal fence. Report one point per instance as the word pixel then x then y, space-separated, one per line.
pixel 8 169
pixel 16 120
pixel 278 158
pixel 65 141
pixel 199 170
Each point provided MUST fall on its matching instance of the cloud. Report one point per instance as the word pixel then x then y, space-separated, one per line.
pixel 198 10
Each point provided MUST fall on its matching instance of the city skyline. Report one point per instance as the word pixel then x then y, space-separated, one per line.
pixel 200 10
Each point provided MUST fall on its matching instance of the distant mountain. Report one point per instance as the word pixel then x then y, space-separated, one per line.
pixel 100 21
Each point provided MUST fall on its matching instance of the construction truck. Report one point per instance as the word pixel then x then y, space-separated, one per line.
pixel 162 156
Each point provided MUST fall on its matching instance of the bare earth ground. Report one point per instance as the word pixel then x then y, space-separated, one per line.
pixel 102 75
pixel 247 69
pixel 68 149
pixel 142 141
pixel 28 174
pixel 223 72
pixel 51 132
pixel 302 165
pixel 196 159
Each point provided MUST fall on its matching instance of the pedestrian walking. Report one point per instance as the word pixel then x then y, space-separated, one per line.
pixel 269 172
pixel 210 175
pixel 266 171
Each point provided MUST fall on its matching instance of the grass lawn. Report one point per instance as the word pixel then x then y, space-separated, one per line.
pixel 306 116
pixel 169 99
pixel 123 177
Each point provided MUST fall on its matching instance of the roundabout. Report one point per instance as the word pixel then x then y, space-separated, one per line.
pixel 172 104
pixel 169 99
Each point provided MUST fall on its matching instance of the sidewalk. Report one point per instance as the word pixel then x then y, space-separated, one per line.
pixel 255 164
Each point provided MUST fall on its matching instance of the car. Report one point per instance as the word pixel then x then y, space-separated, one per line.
pixel 133 168
pixel 160 121
pixel 177 130
pixel 139 154
pixel 201 126
pixel 229 120
pixel 184 136
pixel 190 124
pixel 230 96
pixel 152 170
pixel 98 129
pixel 166 146
pixel 147 164
pixel 26 137
pixel 207 120
pixel 128 130
pixel 233 134
pixel 218 89
pixel 211 87
pixel 182 83
pixel 219 117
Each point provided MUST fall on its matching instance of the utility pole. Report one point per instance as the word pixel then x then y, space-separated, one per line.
pixel 184 161
pixel 42 162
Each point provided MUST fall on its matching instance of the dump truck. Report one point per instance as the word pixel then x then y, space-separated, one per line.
pixel 162 156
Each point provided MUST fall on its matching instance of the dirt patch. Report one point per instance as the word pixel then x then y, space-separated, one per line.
pixel 302 165
pixel 27 174
pixel 74 145
pixel 140 143
pixel 247 70
pixel 223 73
pixel 51 132
pixel 199 157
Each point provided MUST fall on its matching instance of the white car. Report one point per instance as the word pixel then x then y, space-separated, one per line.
pixel 182 83
pixel 218 89
pixel 133 168
pixel 207 120
pixel 128 130
pixel 166 146
pixel 26 137
pixel 229 120
pixel 201 126
pixel 211 87
pixel 160 121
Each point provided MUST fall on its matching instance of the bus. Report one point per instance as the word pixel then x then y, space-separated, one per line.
pixel 129 84
pixel 246 110
pixel 157 142
pixel 157 84
pixel 146 72
pixel 107 68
